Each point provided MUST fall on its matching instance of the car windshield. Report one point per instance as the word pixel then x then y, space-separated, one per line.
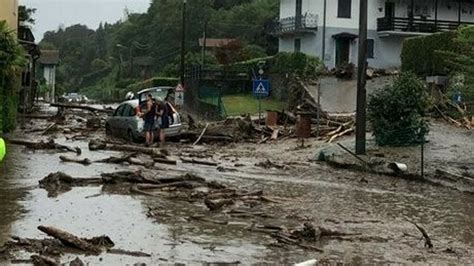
pixel 155 93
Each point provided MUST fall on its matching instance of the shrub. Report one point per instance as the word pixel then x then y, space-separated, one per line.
pixel 12 61
pixel 396 112
pixel 300 64
pixel 421 55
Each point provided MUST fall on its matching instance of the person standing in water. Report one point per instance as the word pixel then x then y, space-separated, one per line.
pixel 164 114
pixel 149 117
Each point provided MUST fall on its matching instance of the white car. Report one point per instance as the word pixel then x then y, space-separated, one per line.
pixel 125 122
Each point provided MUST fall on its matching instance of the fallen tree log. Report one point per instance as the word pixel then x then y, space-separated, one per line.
pixel 165 161
pixel 202 134
pixel 81 107
pixel 69 239
pixel 126 177
pixel 425 235
pixel 44 261
pixel 50 145
pixel 194 161
pixel 345 132
pixel 84 161
pixel 56 183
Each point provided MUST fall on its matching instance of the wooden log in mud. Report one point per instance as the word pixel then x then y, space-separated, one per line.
pixel 425 235
pixel 180 184
pixel 165 161
pixel 128 253
pixel 129 158
pixel 202 134
pixel 84 161
pixel 43 261
pixel 218 204
pixel 69 239
pixel 81 107
pixel 194 161
pixel 49 145
pixel 187 177
pixel 127 177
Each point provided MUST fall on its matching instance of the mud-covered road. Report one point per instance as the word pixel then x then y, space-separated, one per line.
pixel 378 209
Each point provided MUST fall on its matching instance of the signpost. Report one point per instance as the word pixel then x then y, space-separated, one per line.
pixel 261 88
pixel 179 99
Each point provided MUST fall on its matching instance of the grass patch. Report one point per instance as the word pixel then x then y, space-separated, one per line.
pixel 247 103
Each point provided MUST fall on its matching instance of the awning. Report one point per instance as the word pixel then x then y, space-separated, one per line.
pixel 345 36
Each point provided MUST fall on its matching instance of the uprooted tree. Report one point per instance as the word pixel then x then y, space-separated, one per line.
pixel 396 112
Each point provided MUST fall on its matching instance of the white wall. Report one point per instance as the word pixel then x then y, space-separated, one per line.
pixel 386 50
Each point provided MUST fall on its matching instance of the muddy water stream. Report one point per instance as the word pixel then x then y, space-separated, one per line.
pixel 378 208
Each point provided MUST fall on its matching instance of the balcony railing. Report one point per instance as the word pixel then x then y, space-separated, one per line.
pixel 297 24
pixel 416 25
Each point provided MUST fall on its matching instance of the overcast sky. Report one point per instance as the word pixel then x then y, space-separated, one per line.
pixel 50 14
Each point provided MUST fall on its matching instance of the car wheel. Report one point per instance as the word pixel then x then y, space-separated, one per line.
pixel 130 136
pixel 108 131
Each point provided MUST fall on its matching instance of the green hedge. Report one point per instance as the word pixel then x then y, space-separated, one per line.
pixel 421 55
pixel 153 82
pixel 303 65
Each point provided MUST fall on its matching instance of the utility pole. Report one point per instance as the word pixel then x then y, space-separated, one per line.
pixel 323 55
pixel 183 41
pixel 204 40
pixel 361 82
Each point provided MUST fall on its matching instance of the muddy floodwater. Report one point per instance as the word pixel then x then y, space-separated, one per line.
pixel 378 208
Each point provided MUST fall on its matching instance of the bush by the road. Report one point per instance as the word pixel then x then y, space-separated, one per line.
pixel 423 55
pixel 12 60
pixel 396 112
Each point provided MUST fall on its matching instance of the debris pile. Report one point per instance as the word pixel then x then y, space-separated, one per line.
pixel 48 251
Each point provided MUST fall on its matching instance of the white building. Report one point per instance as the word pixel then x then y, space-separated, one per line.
pixel 304 24
pixel 49 59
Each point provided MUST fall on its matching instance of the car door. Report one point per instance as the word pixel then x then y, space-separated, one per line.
pixel 116 121
pixel 127 119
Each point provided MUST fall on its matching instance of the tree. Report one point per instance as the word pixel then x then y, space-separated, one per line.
pixel 396 112
pixel 12 61
pixel 462 61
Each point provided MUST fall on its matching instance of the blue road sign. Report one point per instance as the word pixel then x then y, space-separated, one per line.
pixel 261 88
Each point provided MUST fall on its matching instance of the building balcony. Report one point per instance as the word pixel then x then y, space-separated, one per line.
pixel 414 26
pixel 290 26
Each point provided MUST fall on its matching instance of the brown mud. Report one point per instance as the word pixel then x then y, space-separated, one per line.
pixel 312 211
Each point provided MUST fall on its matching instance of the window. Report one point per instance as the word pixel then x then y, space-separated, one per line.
pixel 119 110
pixel 370 48
pixel 297 45
pixel 344 8
pixel 127 111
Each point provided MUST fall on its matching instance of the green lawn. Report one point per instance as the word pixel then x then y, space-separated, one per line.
pixel 247 103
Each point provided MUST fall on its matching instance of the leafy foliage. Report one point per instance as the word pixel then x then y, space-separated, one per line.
pixel 421 55
pixel 300 64
pixel 396 112
pixel 12 60
pixel 157 34
pixel 461 62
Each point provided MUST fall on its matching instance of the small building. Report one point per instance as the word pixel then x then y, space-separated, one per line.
pixel 29 85
pixel 49 60
pixel 329 28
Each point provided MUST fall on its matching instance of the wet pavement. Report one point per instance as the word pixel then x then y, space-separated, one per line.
pixel 377 207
